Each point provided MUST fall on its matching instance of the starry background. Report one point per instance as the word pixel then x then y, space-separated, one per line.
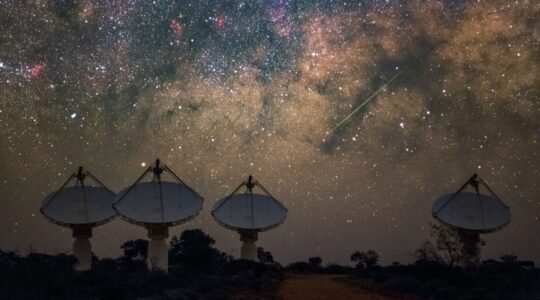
pixel 223 89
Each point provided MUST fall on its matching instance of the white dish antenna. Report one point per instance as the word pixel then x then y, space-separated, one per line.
pixel 472 214
pixel 80 207
pixel 472 211
pixel 158 205
pixel 249 213
pixel 158 202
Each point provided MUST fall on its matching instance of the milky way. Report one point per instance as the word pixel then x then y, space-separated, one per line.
pixel 223 89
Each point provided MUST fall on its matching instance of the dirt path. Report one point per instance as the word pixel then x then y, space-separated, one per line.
pixel 315 287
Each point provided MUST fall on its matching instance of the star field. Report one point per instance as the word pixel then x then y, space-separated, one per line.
pixel 223 89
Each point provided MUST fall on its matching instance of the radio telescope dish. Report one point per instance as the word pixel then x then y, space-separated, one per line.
pixel 472 214
pixel 80 207
pixel 157 202
pixel 470 211
pixel 249 213
pixel 158 205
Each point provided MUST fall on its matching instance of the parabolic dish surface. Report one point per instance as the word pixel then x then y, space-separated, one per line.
pixel 249 211
pixel 472 211
pixel 158 202
pixel 79 205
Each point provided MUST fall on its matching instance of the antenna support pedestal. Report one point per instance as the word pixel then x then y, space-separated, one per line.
pixel 158 248
pixel 82 232
pixel 82 248
pixel 249 249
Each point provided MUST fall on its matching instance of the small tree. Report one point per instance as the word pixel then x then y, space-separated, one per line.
pixel 315 262
pixel 427 252
pixel 195 251
pixel 509 258
pixel 365 259
pixel 451 247
pixel 135 254
pixel 135 249
pixel 264 256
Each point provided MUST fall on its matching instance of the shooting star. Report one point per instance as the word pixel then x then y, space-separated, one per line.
pixel 364 103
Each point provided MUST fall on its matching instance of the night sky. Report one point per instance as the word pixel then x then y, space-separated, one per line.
pixel 223 89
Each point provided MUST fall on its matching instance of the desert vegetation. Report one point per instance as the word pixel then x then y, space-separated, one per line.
pixel 442 269
pixel 197 271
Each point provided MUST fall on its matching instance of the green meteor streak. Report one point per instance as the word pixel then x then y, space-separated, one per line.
pixel 364 103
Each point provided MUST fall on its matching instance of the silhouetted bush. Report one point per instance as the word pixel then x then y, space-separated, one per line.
pixel 314 265
pixel 315 262
pixel 264 256
pixel 135 254
pixel 509 278
pixel 135 250
pixel 41 276
pixel 365 259
pixel 195 251
pixel 333 268
pixel 299 267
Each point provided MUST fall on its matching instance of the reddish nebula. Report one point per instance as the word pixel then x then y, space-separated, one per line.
pixel 176 27
pixel 219 22
pixel 279 19
pixel 36 70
